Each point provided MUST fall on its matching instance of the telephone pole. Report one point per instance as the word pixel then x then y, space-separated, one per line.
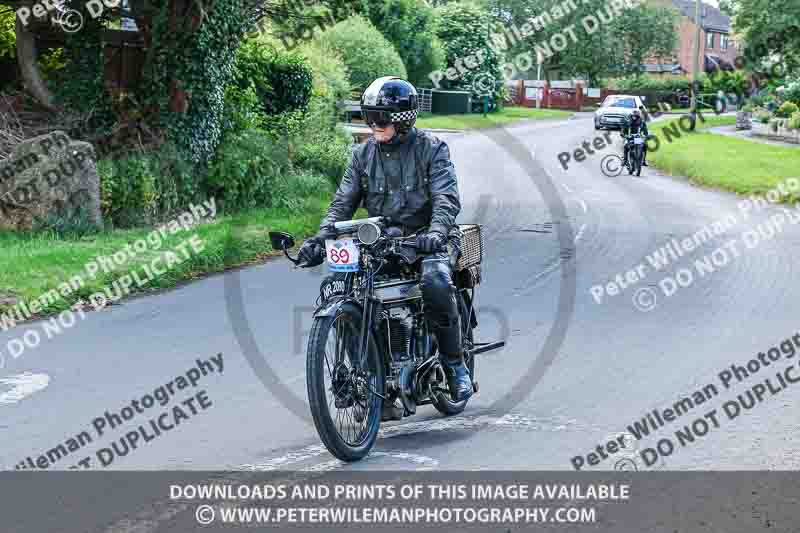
pixel 696 69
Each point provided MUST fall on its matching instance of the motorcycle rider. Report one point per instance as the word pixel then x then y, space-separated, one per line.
pixel 406 175
pixel 633 124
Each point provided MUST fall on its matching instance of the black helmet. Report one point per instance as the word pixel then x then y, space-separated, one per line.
pixel 390 100
pixel 636 115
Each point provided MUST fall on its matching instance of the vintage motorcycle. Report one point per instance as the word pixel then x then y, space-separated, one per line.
pixel 370 342
pixel 635 144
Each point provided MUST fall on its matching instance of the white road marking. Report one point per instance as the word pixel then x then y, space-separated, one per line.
pixel 22 386
pixel 580 233
pixel 583 205
pixel 566 187
pixel 410 428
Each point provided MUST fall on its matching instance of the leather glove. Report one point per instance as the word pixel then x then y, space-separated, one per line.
pixel 312 253
pixel 431 242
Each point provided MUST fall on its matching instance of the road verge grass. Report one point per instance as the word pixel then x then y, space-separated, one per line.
pixel 472 121
pixel 33 264
pixel 712 160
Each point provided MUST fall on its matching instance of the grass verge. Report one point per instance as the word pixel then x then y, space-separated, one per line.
pixel 712 160
pixel 34 264
pixel 506 115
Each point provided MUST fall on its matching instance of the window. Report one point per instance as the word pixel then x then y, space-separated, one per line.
pixel 723 42
pixel 709 40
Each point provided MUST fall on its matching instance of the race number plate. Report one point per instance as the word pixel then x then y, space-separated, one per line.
pixel 342 255
pixel 638 140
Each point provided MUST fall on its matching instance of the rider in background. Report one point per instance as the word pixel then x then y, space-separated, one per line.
pixel 407 176
pixel 633 124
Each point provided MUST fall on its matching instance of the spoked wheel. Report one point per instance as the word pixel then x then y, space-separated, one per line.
pixel 345 397
pixel 442 401
pixel 639 159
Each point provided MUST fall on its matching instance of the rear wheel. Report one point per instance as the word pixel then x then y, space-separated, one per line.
pixel 442 401
pixel 345 398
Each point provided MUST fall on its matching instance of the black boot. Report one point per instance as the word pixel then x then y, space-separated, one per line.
pixel 458 379
pixel 391 411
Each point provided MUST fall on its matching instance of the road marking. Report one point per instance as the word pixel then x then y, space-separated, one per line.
pixel 580 233
pixel 410 428
pixel 566 187
pixel 22 386
pixel 151 518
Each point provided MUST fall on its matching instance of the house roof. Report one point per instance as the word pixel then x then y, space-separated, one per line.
pixel 712 18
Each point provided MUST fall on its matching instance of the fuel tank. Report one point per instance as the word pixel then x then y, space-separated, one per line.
pixel 398 291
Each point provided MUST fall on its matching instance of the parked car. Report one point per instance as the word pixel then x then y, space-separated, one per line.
pixel 614 110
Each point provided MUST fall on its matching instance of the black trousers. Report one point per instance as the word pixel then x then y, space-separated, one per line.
pixel 441 309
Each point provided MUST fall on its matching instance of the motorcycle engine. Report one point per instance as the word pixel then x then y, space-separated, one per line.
pixel 400 323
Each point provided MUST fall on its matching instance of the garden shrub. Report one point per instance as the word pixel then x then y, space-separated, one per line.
pixel 293 190
pixel 330 78
pixel 787 109
pixel 245 170
pixel 367 54
pixel 792 92
pixel 462 29
pixel 128 190
pixel 141 188
pixel 728 82
pixel 282 80
pixel 410 26
pixel 794 122
pixel 648 83
pixel 762 115
pixel 322 146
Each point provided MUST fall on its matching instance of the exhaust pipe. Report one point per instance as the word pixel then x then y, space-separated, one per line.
pixel 486 347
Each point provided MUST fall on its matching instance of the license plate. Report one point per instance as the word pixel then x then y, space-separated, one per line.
pixel 612 119
pixel 342 255
pixel 638 140
pixel 332 287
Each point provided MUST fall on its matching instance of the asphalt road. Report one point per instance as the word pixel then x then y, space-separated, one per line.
pixel 616 362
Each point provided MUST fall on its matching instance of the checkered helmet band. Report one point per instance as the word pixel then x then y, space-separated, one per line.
pixel 404 116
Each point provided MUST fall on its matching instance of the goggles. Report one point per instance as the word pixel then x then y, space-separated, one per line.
pixel 377 118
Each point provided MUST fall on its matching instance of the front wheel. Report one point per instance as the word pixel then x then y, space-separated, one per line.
pixel 637 160
pixel 345 397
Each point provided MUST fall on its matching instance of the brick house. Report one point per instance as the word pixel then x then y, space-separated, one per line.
pixel 718 48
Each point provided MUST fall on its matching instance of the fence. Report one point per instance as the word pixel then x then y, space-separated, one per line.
pixel 425 100
pixel 573 96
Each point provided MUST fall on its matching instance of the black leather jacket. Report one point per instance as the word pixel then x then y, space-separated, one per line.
pixel 629 127
pixel 426 193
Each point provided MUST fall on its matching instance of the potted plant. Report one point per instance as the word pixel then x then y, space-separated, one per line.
pixel 761 121
pixel 744 117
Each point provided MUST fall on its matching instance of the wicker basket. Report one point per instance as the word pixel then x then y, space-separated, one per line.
pixel 471 246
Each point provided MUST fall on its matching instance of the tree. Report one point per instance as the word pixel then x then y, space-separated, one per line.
pixel 729 7
pixel 367 54
pixel 771 30
pixel 473 64
pixel 409 26
pixel 643 32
